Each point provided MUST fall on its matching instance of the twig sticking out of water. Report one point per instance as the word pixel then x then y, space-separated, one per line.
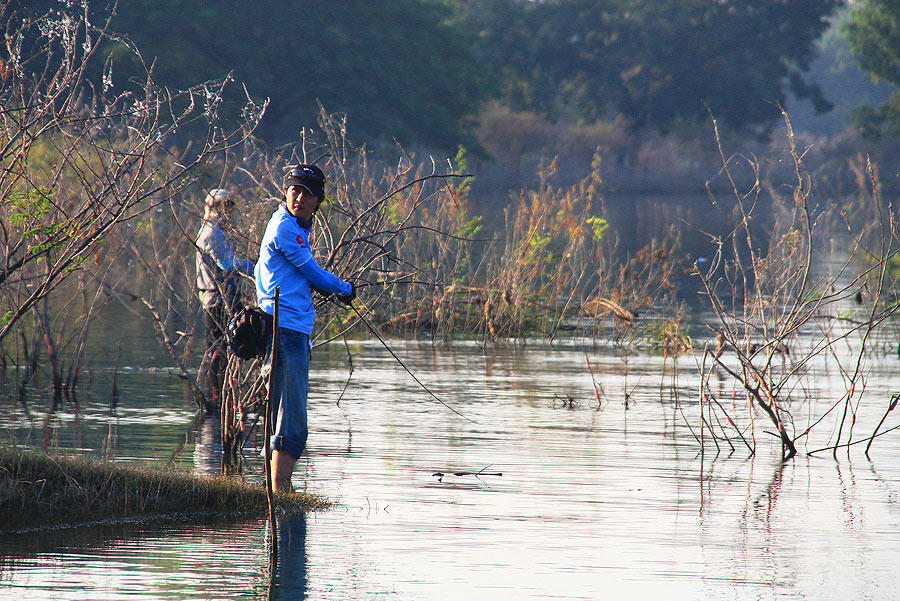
pixel 567 400
pixel 891 406
pixel 478 474
pixel 597 389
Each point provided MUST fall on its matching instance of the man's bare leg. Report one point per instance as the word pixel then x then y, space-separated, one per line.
pixel 282 468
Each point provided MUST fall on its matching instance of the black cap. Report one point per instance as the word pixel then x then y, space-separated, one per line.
pixel 308 176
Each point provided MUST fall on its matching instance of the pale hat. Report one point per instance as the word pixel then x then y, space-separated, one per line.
pixel 217 196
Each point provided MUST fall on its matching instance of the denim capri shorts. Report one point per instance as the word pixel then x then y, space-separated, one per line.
pixel 290 386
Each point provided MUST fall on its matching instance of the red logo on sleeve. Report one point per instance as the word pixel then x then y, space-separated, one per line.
pixel 300 241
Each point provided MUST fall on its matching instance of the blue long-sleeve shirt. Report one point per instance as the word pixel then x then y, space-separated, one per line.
pixel 286 260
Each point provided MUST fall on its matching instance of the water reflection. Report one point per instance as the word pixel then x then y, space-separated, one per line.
pixel 156 556
pixel 190 557
pixel 290 576
pixel 207 439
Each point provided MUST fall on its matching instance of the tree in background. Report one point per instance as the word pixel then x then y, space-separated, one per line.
pixel 417 70
pixel 659 63
pixel 874 35
pixel 397 69
pixel 842 80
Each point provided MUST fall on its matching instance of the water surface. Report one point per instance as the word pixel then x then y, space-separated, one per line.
pixel 612 500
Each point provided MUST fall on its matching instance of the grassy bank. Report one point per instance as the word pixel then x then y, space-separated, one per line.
pixel 43 490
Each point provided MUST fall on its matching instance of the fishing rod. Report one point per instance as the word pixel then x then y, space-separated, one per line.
pixel 400 361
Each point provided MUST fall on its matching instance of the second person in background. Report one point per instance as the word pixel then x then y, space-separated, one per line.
pixel 218 270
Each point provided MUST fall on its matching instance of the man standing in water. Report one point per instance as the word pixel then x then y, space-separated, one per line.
pixel 286 262
pixel 217 268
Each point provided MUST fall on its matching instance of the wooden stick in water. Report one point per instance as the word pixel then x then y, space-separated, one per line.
pixel 268 428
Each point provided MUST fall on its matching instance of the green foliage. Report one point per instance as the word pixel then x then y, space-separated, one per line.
pixel 882 121
pixel 874 35
pixel 592 58
pixel 893 267
pixel 842 80
pixel 535 249
pixel 31 212
pixel 668 335
pixel 814 295
pixel 461 164
pixel 469 228
pixel 33 204
pixel 39 248
pixel 599 226
pixel 393 211
pixel 76 264
pixel 418 70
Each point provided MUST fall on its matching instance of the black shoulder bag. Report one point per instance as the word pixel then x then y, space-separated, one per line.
pixel 248 333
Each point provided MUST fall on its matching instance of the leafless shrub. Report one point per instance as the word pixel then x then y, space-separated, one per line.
pixel 766 288
pixel 82 160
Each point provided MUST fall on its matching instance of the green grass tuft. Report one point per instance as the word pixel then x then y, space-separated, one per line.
pixel 38 490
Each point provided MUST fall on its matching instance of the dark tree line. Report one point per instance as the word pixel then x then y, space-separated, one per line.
pixel 419 71
pixel 396 68
pixel 658 63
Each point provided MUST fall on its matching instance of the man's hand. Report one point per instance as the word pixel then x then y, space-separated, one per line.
pixel 347 299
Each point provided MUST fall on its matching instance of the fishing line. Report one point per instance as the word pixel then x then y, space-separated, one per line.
pixel 400 361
